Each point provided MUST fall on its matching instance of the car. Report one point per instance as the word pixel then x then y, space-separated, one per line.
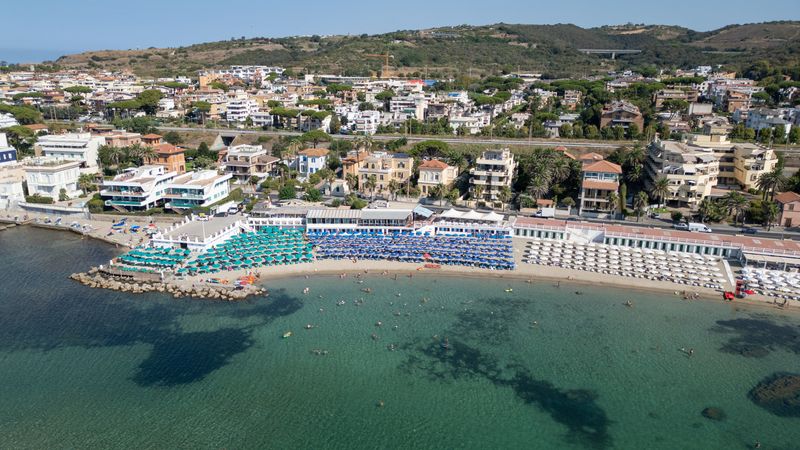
pixel 681 226
pixel 749 230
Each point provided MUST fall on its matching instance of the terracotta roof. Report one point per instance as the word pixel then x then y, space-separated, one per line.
pixel 563 150
pixel 315 152
pixel 544 202
pixel 152 136
pixel 787 197
pixel 592 156
pixel 434 164
pixel 602 185
pixel 167 149
pixel 603 166
pixel 36 126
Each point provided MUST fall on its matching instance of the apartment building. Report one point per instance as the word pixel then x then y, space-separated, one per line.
pixel 600 180
pixel 572 99
pixel 621 113
pixel 81 147
pixel 687 95
pixel 692 171
pixel 47 176
pixel 245 161
pixel 137 188
pixel 761 118
pixel 197 189
pixel 493 171
pixel 433 173
pixel 239 109
pixel 386 167
pixel 366 122
pixel 740 164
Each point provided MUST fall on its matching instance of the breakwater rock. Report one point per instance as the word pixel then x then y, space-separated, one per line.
pixel 96 279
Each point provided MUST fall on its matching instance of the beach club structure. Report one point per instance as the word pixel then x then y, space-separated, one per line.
pixel 297 234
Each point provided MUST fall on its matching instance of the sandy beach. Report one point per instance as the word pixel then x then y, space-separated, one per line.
pixel 523 273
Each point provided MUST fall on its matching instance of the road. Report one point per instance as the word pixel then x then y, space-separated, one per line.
pixel 569 143
pixel 416 138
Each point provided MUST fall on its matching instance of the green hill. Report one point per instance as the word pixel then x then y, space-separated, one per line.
pixel 448 51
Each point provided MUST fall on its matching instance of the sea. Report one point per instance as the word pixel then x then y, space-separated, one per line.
pixel 419 363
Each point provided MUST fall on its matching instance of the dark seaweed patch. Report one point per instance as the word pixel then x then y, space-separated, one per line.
pixel 757 337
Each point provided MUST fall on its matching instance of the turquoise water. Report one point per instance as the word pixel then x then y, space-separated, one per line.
pixel 84 368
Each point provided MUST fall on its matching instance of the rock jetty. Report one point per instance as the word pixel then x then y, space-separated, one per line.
pixel 95 279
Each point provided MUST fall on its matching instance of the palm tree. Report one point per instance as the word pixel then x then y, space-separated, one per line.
pixel 538 187
pixel 477 192
pixel 736 204
pixel 660 189
pixel 394 187
pixel 771 211
pixel 146 153
pixel 504 196
pixel 613 202
pixel 636 156
pixel 364 142
pixel 640 204
pixel 371 184
pixel 770 182
pixel 559 169
pixel 634 174
pixel 352 181
pixel 439 192
pixel 86 183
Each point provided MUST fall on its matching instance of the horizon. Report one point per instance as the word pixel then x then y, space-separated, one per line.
pixel 200 24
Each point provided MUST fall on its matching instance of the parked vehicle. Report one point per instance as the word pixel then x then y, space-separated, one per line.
pixel 546 212
pixel 681 226
pixel 749 230
pixel 699 227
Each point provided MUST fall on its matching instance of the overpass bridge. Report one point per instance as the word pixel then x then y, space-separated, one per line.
pixel 609 51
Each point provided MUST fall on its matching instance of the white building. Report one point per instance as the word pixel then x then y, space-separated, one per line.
pixel 246 161
pixel 11 191
pixel 311 160
pixel 238 110
pixel 48 176
pixel 493 171
pixel 138 188
pixel 201 188
pixel 366 122
pixel 7 120
pixel 80 147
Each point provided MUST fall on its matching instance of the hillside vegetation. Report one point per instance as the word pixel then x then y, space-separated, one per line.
pixel 548 49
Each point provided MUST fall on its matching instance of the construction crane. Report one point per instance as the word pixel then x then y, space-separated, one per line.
pixel 386 70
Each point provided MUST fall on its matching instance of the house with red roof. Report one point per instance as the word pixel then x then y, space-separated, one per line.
pixel 433 173
pixel 789 204
pixel 600 180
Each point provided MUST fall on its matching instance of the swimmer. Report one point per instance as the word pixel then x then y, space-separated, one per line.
pixel 691 351
pixel 629 304
pixel 378 323
pixel 306 290
pixel 374 337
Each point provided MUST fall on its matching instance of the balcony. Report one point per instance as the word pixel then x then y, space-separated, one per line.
pixel 184 196
pixel 112 193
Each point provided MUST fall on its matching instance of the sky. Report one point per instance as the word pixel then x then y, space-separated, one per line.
pixel 47 29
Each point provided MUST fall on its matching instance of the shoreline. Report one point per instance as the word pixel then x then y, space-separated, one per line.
pixel 523 273
pixel 547 274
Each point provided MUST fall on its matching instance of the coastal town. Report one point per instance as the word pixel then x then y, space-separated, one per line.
pixel 355 225
pixel 603 178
